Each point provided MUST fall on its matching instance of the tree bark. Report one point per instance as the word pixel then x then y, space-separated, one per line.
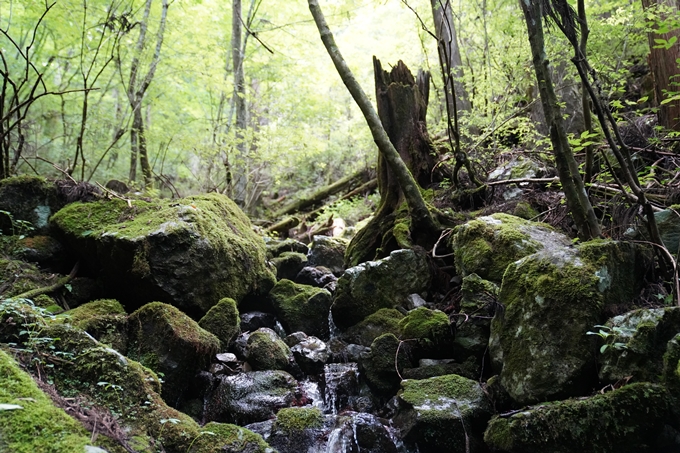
pixel 567 168
pixel 239 99
pixel 663 64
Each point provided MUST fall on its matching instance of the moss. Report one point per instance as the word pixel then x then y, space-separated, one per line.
pixel 385 320
pixel 627 420
pixel 423 323
pixel 39 426
pixel 302 308
pixel 222 320
pixel 225 438
pixel 266 352
pixel 17 277
pixel 296 419
pixel 381 364
pixel 101 307
pixel 525 211
pixel 104 319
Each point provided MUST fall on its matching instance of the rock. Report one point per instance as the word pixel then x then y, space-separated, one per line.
pixel 668 223
pixel 328 252
pixel 432 331
pixel 487 245
pixel 222 320
pixel 190 253
pixel 379 367
pixel 302 308
pixel 342 352
pixel 636 342
pixel 289 264
pixel 266 351
pixel 46 251
pixel 387 283
pixel 473 321
pixel 297 429
pixel 518 167
pixel 104 319
pixel 227 358
pixel 627 420
pixel 295 338
pixel 30 200
pixel 439 413
pixel 414 301
pixel 253 320
pixel 311 355
pixel 316 276
pixel 341 384
pixel 250 397
pixel 166 340
pixel 276 248
pixel 431 368
pixel 538 341
pixel 385 320
pixel 362 432
pixel 17 277
pixel 227 438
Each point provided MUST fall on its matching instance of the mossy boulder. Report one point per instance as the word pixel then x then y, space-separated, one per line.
pixel 385 320
pixel 670 376
pixel 250 397
pixel 440 413
pixel 328 252
pixel 29 199
pixel 294 420
pixel 431 330
pixel 381 366
pixel 17 277
pixel 289 264
pixel 387 283
pixel 190 252
pixel 223 321
pixel 266 351
pixel 470 369
pixel 487 245
pixel 166 340
pixel 627 420
pixel 302 308
pixel 277 247
pixel 538 340
pixel 46 251
pixel 298 429
pixel 226 438
pixel 472 323
pixel 29 420
pixel 636 342
pixel 104 319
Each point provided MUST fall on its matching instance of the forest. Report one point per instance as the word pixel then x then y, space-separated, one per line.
pixel 339 226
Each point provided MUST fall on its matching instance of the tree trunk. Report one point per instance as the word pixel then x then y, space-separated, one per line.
pixel 663 64
pixel 239 100
pixel 567 168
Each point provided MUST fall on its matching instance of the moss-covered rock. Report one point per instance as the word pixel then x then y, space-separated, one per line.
pixel 225 438
pixel 277 247
pixel 104 319
pixel 470 369
pixel 289 264
pixel 636 342
pixel 302 308
pixel 223 321
pixel 627 420
pixel 328 252
pixel 190 252
pixel 473 324
pixel 17 277
pixel 385 320
pixel 381 366
pixel 538 341
pixel 166 340
pixel 431 330
pixel 266 351
pixel 29 421
pixel 46 251
pixel 439 413
pixel 387 283
pixel 29 199
pixel 668 223
pixel 487 245
pixel 293 420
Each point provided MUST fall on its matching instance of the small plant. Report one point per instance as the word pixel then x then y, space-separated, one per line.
pixel 165 421
pixel 116 389
pixel 605 332
pixel 666 298
pixel 209 433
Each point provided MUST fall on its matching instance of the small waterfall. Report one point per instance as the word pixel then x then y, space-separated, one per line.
pixel 332 328
pixel 341 385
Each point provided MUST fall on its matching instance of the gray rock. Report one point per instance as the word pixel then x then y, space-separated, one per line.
pixel 276 248
pixel 328 252
pixel 253 320
pixel 302 308
pixel 316 276
pixel 289 264
pixel 31 201
pixel 311 355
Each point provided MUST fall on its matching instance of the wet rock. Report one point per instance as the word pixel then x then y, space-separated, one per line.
pixel 311 355
pixel 636 342
pixel 316 276
pixel 276 248
pixel 342 352
pixel 387 283
pixel 253 320
pixel 442 413
pixel 266 351
pixel 289 264
pixel 302 308
pixel 295 338
pixel 166 340
pixel 380 367
pixel 487 245
pixel 341 384
pixel 222 320
pixel 385 320
pixel 190 253
pixel 31 201
pixel 297 429
pixel 328 252
pixel 250 397
pixel 627 420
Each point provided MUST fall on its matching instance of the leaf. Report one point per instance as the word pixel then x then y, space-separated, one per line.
pixel 9 407
pixel 603 348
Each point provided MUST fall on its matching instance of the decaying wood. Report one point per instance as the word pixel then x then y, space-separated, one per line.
pixel 284 225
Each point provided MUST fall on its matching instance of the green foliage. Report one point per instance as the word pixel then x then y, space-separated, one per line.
pixel 605 332
pixel 351 210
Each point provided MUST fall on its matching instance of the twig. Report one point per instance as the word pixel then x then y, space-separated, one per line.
pixel 115 195
pixel 522 180
pixel 444 234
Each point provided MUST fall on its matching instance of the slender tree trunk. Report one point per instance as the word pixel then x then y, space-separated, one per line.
pixel 239 97
pixel 589 169
pixel 664 66
pixel 567 168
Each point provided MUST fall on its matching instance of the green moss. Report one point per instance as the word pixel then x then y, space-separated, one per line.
pixel 101 307
pixel 525 211
pixel 223 321
pixel 266 352
pixel 17 277
pixel 385 320
pixel 104 319
pixel 627 420
pixel 302 308
pixel 380 367
pixel 296 419
pixel 39 426
pixel 225 438
pixel 423 323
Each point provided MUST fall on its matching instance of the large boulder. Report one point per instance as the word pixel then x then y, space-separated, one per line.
pixel 627 420
pixel 443 413
pixel 266 351
pixel 429 331
pixel 30 201
pixel 190 252
pixel 302 308
pixel 166 340
pixel 387 283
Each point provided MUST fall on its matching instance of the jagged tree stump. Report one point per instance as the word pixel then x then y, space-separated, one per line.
pixel 402 108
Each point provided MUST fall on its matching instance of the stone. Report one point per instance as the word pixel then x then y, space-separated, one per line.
pixel 277 247
pixel 222 320
pixel 328 252
pixel 432 331
pixel 104 319
pixel 47 252
pixel 381 366
pixel 253 320
pixel 266 351
pixel 364 289
pixel 228 438
pixel 311 355
pixel 626 420
pixel 470 369
pixel 473 322
pixel 341 384
pixel 315 276
pixel 30 200
pixel 385 320
pixel 189 253
pixel 289 264
pixel 302 308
